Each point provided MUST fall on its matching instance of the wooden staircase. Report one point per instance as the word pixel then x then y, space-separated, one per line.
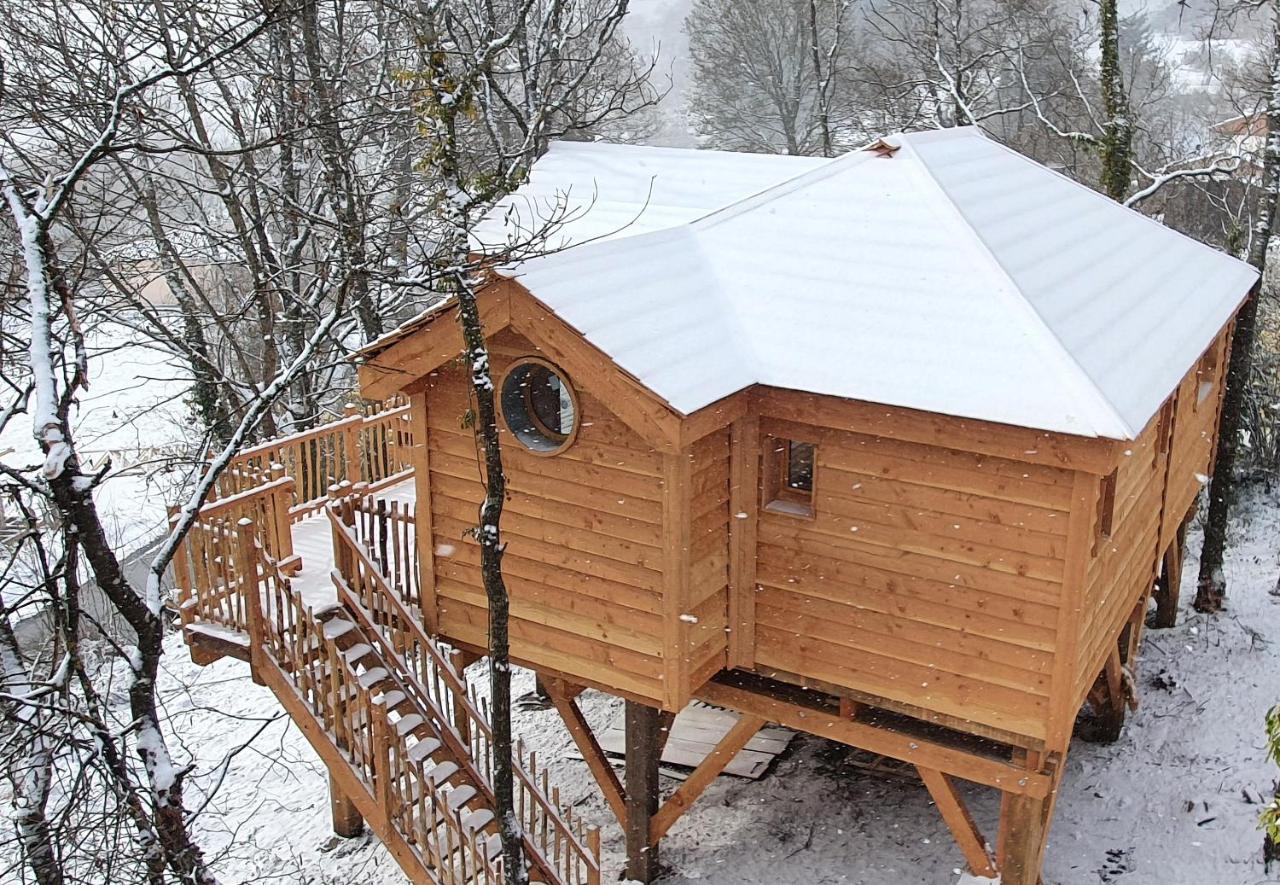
pixel 406 741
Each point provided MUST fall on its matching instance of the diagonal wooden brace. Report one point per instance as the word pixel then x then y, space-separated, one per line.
pixel 706 772
pixel 972 844
pixel 563 696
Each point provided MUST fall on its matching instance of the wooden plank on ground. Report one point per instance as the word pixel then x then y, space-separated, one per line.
pixel 696 732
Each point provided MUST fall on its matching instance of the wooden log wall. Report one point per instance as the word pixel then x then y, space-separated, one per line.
pixel 1157 480
pixel 1198 405
pixel 584 562
pixel 928 577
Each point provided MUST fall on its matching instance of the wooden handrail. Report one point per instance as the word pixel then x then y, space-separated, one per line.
pixel 302 436
pixel 389 414
pixel 215 508
pixel 477 722
pixel 281 629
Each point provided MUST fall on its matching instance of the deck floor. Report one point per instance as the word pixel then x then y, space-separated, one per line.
pixel 313 541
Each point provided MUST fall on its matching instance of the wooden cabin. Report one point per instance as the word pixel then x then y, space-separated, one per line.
pixel 890 448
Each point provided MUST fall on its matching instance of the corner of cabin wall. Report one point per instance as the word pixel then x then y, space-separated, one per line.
pixel 1064 699
pixel 677 529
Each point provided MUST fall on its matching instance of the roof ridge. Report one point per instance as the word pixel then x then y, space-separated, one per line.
pixel 1083 383
pixel 833 166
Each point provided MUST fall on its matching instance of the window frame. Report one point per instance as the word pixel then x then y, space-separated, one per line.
pixel 1207 381
pixel 779 495
pixel 1105 513
pixel 535 419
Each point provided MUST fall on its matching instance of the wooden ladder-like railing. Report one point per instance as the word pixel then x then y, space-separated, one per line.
pixel 402 733
pixel 560 848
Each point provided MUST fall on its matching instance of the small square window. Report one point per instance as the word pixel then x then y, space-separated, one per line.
pixel 1207 375
pixel 1104 519
pixel 788 476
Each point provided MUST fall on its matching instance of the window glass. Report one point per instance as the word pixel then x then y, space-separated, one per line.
pixel 538 406
pixel 800 466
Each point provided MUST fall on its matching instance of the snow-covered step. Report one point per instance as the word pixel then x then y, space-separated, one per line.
pixel 441 773
pixel 405 725
pixel 478 820
pixel 357 652
pixel 423 750
pixel 372 677
pixel 460 796
pixel 336 627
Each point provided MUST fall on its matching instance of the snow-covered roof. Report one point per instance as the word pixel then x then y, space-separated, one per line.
pixel 586 191
pixel 950 275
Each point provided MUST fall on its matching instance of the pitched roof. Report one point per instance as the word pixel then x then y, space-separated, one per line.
pixel 951 275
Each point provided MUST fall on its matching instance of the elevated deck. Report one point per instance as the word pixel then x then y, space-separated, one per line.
pixel 319 595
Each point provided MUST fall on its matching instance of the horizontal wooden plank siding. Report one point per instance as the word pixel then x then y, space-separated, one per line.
pixel 1195 423
pixel 584 532
pixel 928 577
pixel 1158 479
pixel 1122 566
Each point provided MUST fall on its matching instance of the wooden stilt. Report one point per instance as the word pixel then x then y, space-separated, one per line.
pixel 1024 826
pixel 347 821
pixel 1169 584
pixel 642 790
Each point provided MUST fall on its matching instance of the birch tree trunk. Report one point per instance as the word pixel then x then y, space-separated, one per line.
pixel 1211 585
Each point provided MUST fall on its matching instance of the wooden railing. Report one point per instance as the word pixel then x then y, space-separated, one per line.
pixel 209 569
pixel 559 846
pixel 373 449
pixel 352 729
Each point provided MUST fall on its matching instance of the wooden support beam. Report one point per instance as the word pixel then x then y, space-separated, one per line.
pixel 1023 827
pixel 563 698
pixel 706 772
pixel 952 808
pixel 347 821
pixel 425 538
pixel 917 750
pixel 1169 584
pixel 744 513
pixel 641 790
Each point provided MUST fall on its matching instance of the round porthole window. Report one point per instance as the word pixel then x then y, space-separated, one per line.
pixel 539 406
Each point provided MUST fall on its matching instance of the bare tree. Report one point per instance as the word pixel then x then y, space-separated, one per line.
pixel 41 186
pixel 1211 584
pixel 498 85
pixel 766 73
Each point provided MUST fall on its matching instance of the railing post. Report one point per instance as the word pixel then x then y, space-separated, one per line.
pixel 354 471
pixel 461 719
pixel 281 502
pixel 381 756
pixel 247 554
pixel 182 573
pixel 341 556
pixel 593 846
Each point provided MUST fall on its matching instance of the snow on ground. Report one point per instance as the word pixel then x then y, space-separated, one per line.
pixel 1175 802
pixel 132 412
